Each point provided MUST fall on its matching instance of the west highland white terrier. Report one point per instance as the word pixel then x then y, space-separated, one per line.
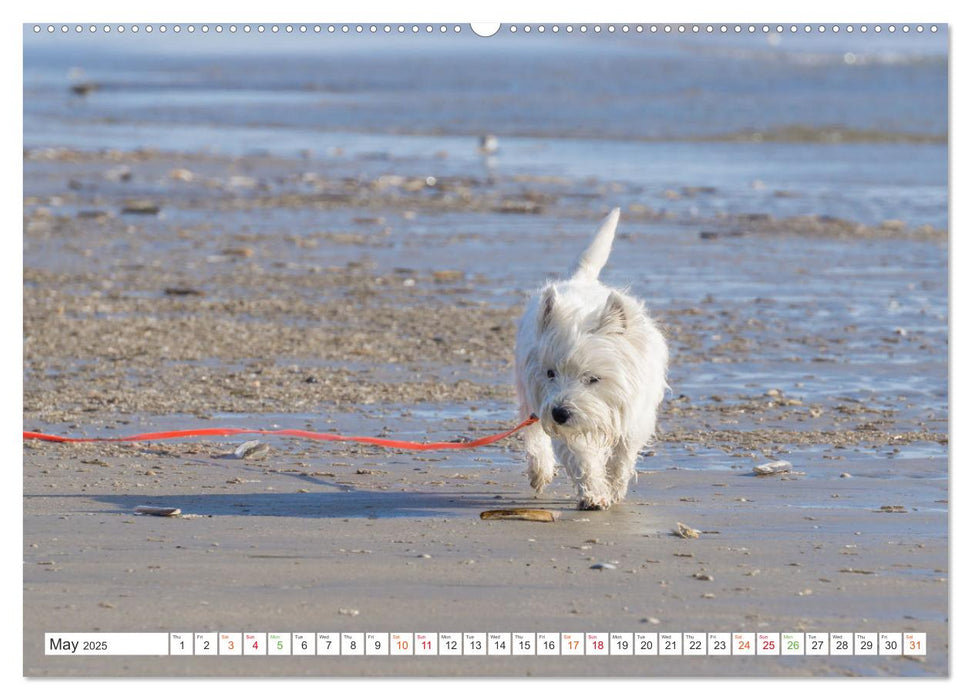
pixel 591 365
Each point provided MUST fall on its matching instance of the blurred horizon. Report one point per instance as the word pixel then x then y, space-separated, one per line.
pixel 649 86
pixel 848 125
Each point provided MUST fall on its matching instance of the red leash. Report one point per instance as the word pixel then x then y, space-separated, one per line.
pixel 306 434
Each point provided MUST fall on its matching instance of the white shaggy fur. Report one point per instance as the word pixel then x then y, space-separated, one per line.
pixel 591 365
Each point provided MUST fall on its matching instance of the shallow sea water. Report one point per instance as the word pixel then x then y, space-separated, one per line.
pixel 632 109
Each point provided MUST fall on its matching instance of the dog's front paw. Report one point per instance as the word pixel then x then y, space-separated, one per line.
pixel 593 503
pixel 539 480
pixel 540 472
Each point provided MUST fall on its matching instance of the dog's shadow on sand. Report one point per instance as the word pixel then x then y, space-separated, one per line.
pixel 342 504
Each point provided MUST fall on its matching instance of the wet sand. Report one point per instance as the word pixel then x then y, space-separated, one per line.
pixel 169 291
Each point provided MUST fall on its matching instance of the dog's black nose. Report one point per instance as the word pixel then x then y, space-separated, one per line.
pixel 561 415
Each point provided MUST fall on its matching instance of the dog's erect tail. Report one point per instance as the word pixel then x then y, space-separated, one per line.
pixel 595 256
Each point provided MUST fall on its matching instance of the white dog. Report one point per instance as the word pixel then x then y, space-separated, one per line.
pixel 591 365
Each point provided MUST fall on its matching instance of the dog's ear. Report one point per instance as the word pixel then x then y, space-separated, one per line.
pixel 613 318
pixel 547 303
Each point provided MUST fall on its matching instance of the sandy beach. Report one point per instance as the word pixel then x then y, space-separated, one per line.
pixel 393 314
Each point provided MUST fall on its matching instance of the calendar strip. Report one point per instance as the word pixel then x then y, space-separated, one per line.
pixel 486 644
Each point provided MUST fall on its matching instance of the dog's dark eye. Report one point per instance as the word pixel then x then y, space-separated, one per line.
pixel 593 380
pixel 550 373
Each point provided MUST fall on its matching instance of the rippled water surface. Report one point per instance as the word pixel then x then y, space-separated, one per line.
pixel 636 108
